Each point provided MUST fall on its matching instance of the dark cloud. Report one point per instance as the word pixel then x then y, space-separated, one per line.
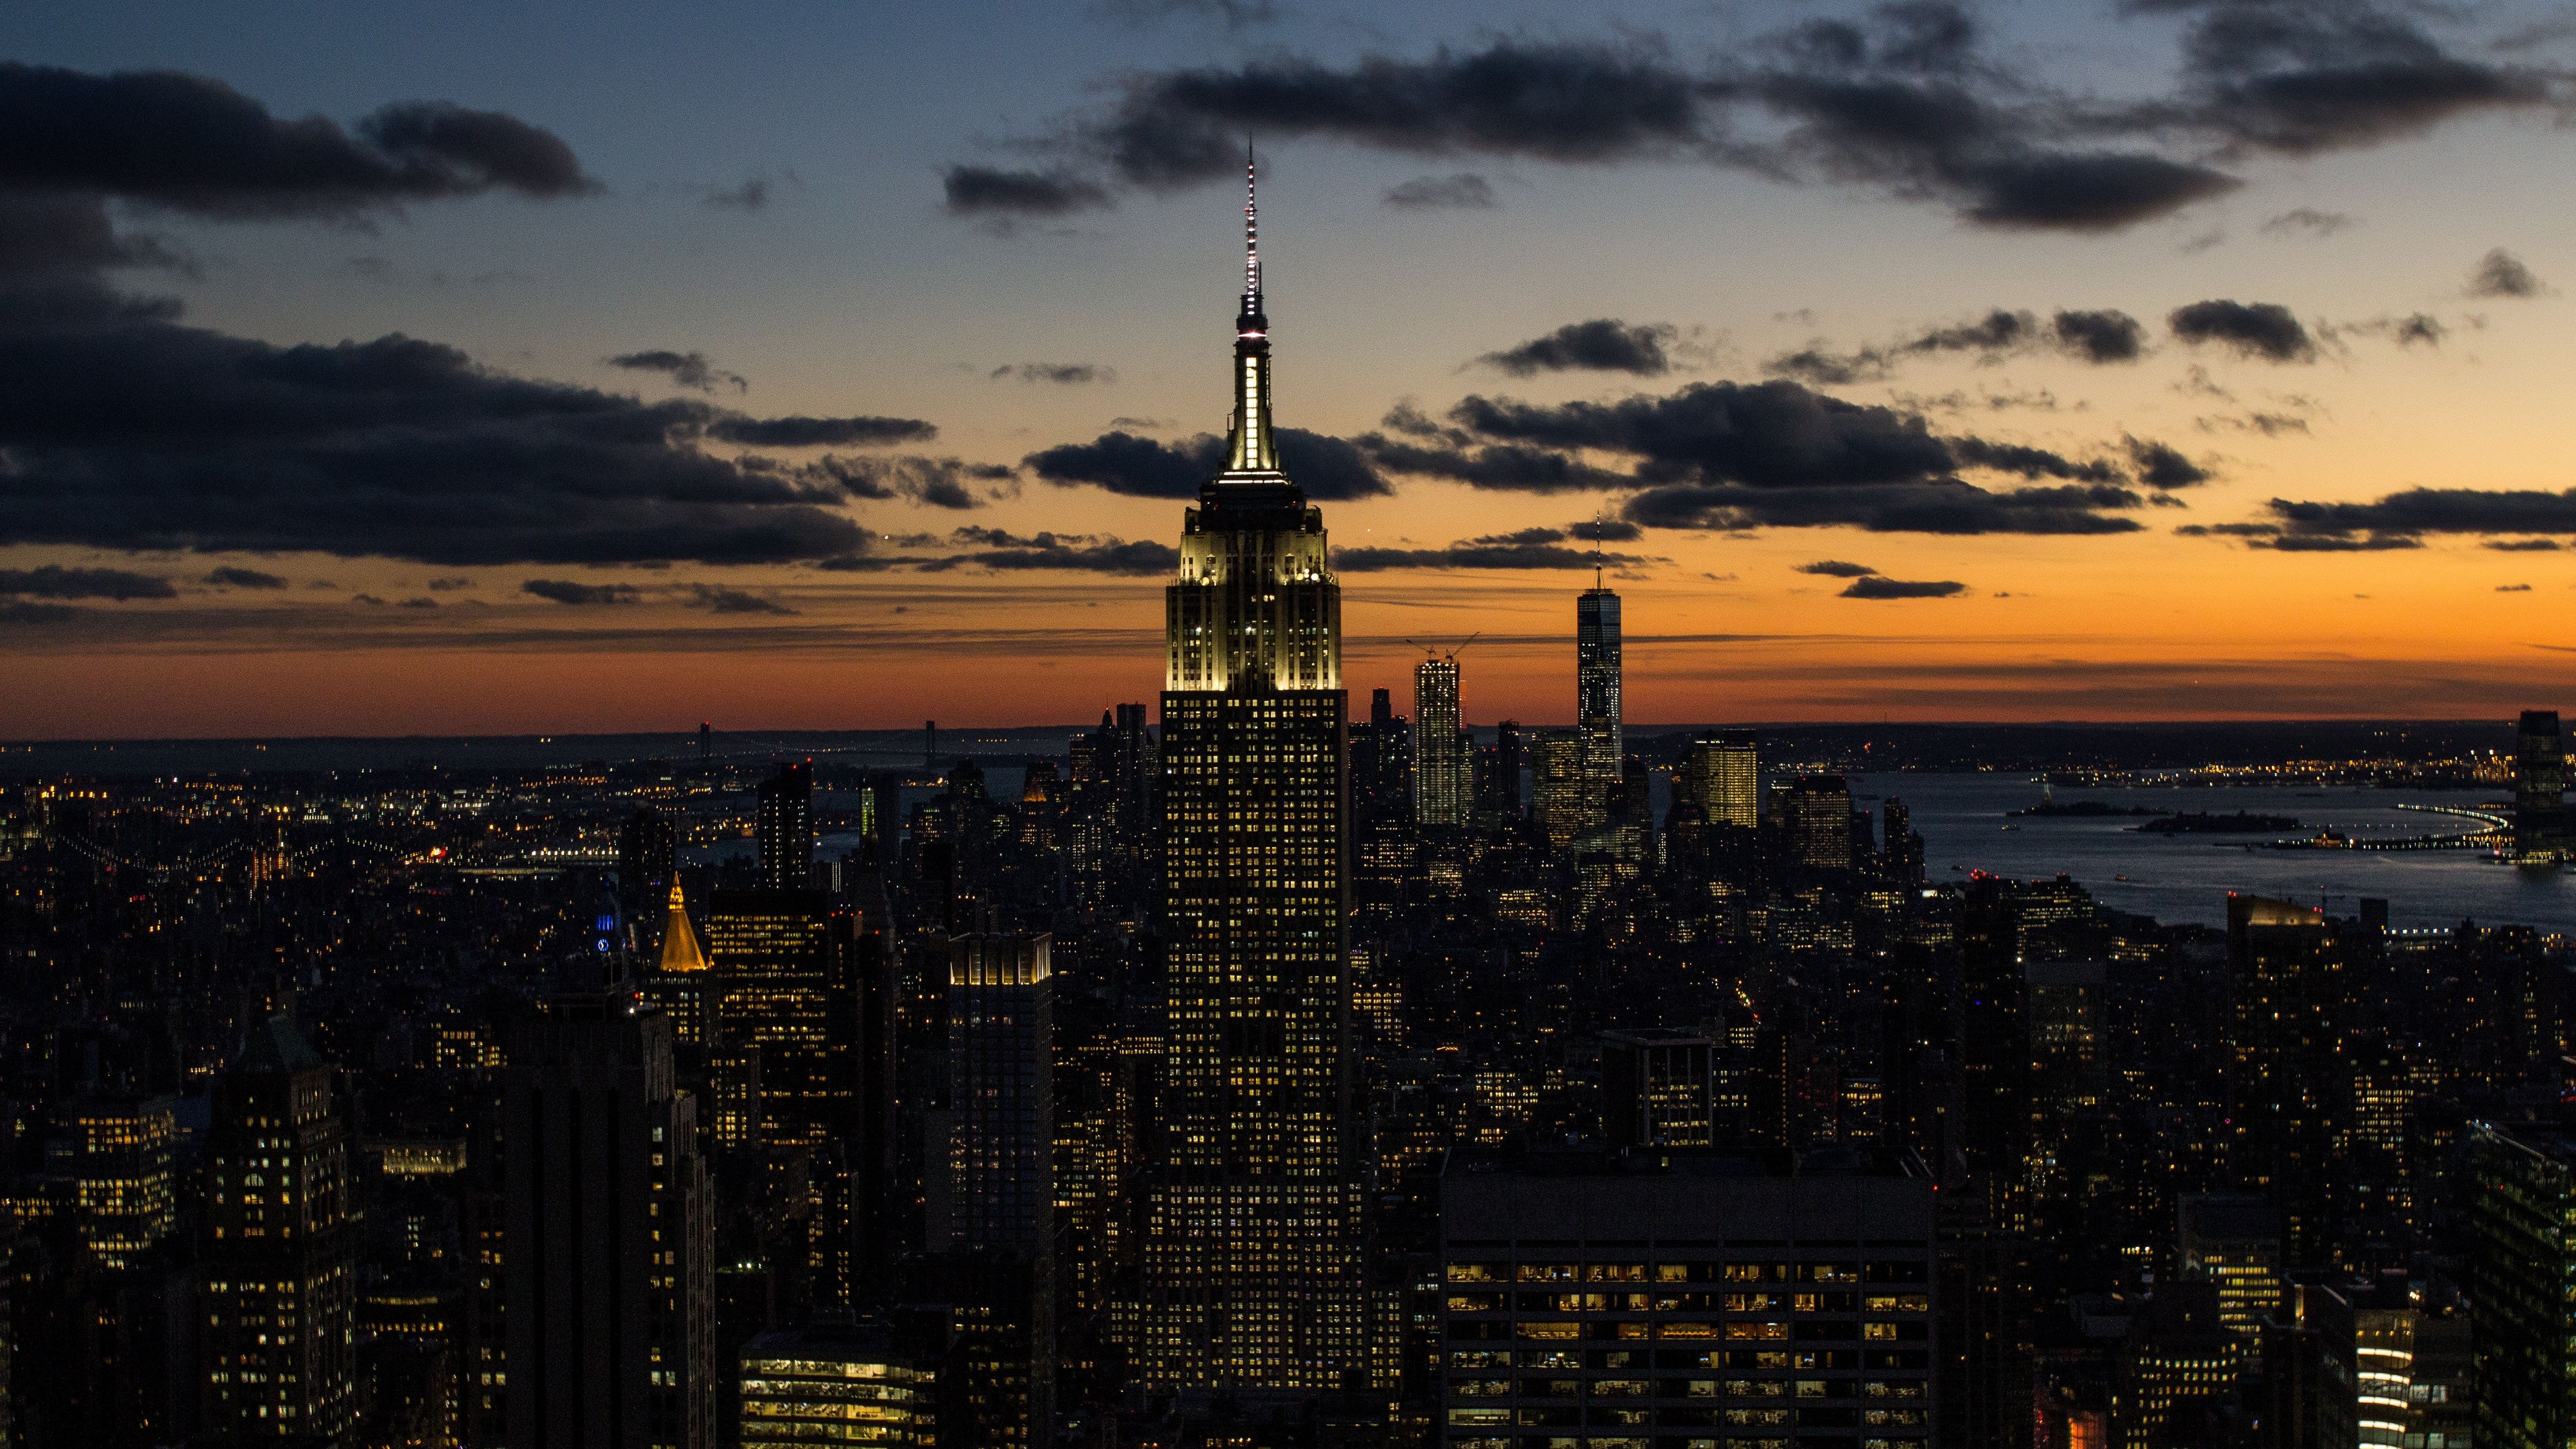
pixel 565 591
pixel 420 603
pixel 1836 569
pixel 2399 519
pixel 2099 336
pixel 2317 75
pixel 197 145
pixel 685 369
pixel 2087 336
pixel 1084 553
pixel 2501 274
pixel 1528 548
pixel 1605 530
pixel 2309 220
pixel 370 600
pixel 937 482
pixel 2521 545
pixel 449 584
pixel 804 432
pixel 2161 465
pixel 732 601
pixel 1908 101
pixel 127 430
pixel 141 434
pixel 52 581
pixel 1507 467
pixel 241 578
pixel 2513 588
pixel 1462 191
pixel 1878 588
pixel 1603 344
pixel 1325 467
pixel 2256 329
pixel 993 192
pixel 1732 456
pixel 1063 372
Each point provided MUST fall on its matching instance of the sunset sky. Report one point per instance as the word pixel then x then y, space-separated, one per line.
pixel 484 368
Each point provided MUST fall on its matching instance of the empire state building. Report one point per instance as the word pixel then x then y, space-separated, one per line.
pixel 1249 1274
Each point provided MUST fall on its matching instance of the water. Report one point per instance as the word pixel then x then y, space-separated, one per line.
pixel 2186 878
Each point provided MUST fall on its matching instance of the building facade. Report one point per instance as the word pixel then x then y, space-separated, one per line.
pixel 1597 709
pixel 608 1222
pixel 1686 1297
pixel 1250 1263
pixel 1441 788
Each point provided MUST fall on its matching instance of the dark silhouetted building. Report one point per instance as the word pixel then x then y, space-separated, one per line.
pixel 1655 1088
pixel 1706 1294
pixel 2540 820
pixel 280 1270
pixel 608 1301
pixel 2522 1286
pixel 784 828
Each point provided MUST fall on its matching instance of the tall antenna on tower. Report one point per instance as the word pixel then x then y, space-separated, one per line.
pixel 1599 517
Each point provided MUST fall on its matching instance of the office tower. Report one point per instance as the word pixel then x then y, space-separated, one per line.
pixel 1559 800
pixel 2522 1285
pixel 2233 1242
pixel 2065 1000
pixel 2292 1103
pixel 1439 749
pixel 1720 1293
pixel 123 1191
pixel 992 1206
pixel 1655 1088
pixel 1596 688
pixel 809 983
pixel 1721 778
pixel 784 827
pixel 1902 856
pixel 1498 777
pixel 1250 1255
pixel 1816 822
pixel 2540 823
pixel 647 861
pixel 836 1384
pixel 682 988
pixel 1001 1061
pixel 609 1226
pixel 280 1267
pixel 1994 1051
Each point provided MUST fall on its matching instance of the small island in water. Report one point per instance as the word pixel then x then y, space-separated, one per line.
pixel 2085 807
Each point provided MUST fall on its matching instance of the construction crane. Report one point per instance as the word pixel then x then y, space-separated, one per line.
pixel 1433 649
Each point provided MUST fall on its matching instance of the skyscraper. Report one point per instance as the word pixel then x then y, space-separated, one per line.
pixel 2540 829
pixel 1001 1139
pixel 810 984
pixel 1557 787
pixel 2522 1285
pixel 1250 1271
pixel 1816 822
pixel 1439 751
pixel 281 1289
pixel 1721 777
pixel 785 828
pixel 2292 1101
pixel 609 1223
pixel 1596 688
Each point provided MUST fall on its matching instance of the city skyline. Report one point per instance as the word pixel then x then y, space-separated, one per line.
pixel 901 296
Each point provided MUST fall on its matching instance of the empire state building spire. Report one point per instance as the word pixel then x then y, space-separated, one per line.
pixel 1251 449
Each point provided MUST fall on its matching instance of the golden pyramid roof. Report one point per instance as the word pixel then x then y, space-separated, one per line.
pixel 680 951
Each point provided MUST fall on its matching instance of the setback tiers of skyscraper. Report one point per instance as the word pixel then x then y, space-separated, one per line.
pixel 1250 1274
